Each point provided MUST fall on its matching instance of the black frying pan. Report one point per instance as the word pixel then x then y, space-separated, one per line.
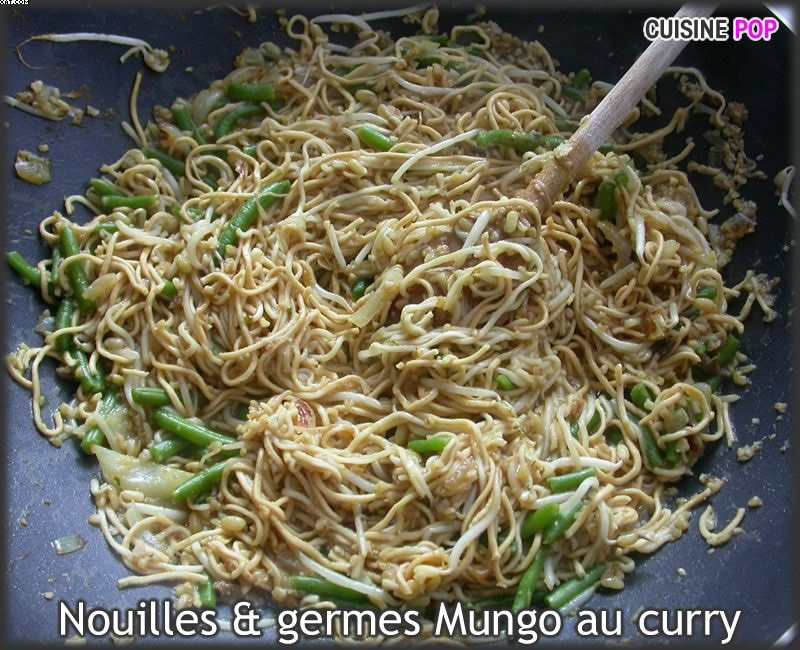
pixel 752 574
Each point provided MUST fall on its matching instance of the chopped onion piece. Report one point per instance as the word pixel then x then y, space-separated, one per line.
pixel 32 168
pixel 68 544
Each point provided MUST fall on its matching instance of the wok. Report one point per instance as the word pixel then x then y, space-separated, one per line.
pixel 48 487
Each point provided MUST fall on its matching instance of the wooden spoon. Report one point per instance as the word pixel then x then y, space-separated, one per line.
pixel 570 156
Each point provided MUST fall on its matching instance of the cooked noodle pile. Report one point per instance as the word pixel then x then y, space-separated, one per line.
pixel 513 337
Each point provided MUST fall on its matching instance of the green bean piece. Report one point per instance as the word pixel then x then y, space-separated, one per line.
pixel 561 524
pixel 572 589
pixel 539 520
pixel 375 139
pixel 699 373
pixel 150 396
pixel 433 445
pixel 241 112
pixel 175 165
pixel 528 582
pixel 621 178
pixel 169 290
pixel 53 282
pixel 570 481
pixel 104 187
pixel 517 140
pixel 640 394
pixel 709 293
pixel 715 383
pixel 182 119
pixel 359 287
pixel 207 593
pixel 169 447
pixel 582 78
pixel 246 216
pixel 671 453
pixel 652 452
pixel 606 147
pixel 573 93
pixel 135 202
pixel 91 383
pixel 75 271
pixel 64 319
pixel 95 436
pixel 206 479
pixel 701 349
pixel 110 228
pixel 24 269
pixel 326 589
pixel 566 124
pixel 575 428
pixel 505 383
pixel 594 422
pixel 441 39
pixel 169 420
pixel 252 92
pixel 251 150
pixel 613 436
pixel 727 353
pixel 606 200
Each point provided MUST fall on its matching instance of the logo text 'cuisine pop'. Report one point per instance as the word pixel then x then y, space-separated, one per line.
pixel 684 28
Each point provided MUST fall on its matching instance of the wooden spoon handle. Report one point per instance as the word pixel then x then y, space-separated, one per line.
pixel 570 156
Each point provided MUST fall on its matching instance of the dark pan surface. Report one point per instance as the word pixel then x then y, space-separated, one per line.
pixel 752 574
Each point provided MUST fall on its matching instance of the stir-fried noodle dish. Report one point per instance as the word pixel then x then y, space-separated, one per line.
pixel 327 350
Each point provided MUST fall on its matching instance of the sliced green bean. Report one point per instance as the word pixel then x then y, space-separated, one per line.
pixel 24 269
pixel 727 353
pixel 613 436
pixel 570 481
pixel 621 178
pixel 229 120
pixel 561 524
pixel 135 202
pixel 504 383
pixel 169 447
pixel 246 216
pixel 539 520
pixel 53 281
pixel 640 395
pixel 251 92
pixel 528 582
pixel 606 200
pixel 175 165
pixel 359 287
pixel 571 589
pixel 169 290
pixel 95 436
pixel 594 422
pixel 375 139
pixel 64 319
pixel 169 420
pixel 150 396
pixel 652 452
pixel 606 147
pixel 205 480
pixel 91 383
pixel 185 123
pixel 517 140
pixel 110 228
pixel 326 589
pixel 671 453
pixel 573 93
pixel 434 445
pixel 251 150
pixel 709 293
pixel 104 187
pixel 207 593
pixel 582 78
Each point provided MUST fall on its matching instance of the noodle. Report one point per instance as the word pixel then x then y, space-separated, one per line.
pixel 514 337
